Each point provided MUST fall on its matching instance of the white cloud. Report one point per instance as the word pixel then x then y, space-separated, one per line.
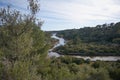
pixel 75 12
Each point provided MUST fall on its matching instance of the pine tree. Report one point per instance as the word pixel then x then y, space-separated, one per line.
pixel 22 44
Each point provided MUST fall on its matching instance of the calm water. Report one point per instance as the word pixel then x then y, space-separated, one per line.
pixel 61 42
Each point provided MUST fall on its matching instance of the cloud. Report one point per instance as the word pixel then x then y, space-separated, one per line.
pixel 78 12
pixel 84 11
pixel 73 13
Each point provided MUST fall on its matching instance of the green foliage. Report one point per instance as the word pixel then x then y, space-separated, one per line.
pixel 23 49
pixel 115 73
pixel 101 74
pixel 22 44
pixel 96 64
pixel 102 40
pixel 69 60
pixel 60 70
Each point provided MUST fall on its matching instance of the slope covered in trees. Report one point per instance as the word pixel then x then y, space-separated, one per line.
pixel 102 40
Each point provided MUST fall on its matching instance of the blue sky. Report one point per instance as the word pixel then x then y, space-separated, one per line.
pixel 69 14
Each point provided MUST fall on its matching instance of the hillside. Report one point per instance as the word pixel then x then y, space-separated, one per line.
pixel 102 40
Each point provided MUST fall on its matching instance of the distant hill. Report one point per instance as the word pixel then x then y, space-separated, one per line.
pixel 102 40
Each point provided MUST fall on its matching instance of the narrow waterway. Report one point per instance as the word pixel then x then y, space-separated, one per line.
pixel 61 42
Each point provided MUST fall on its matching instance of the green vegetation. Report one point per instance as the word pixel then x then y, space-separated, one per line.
pixel 102 40
pixel 24 48
pixel 70 68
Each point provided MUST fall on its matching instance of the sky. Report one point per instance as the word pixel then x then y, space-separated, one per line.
pixel 71 14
